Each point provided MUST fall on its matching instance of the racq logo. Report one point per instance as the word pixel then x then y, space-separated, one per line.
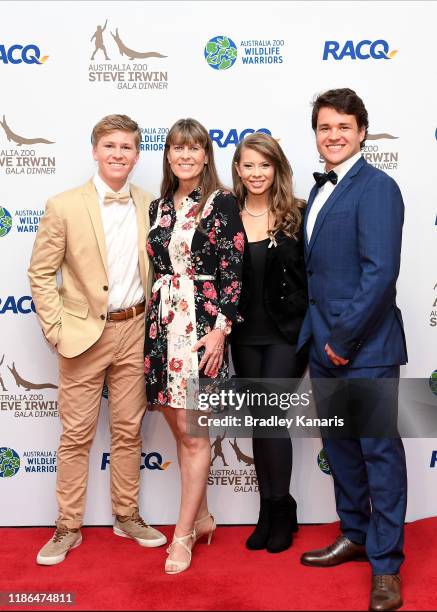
pixel 151 461
pixel 22 305
pixel 363 50
pixel 22 54
pixel 233 136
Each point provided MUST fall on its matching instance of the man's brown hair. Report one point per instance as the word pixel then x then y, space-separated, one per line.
pixel 116 122
pixel 343 101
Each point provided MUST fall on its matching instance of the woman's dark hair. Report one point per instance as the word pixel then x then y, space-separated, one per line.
pixel 189 131
pixel 343 101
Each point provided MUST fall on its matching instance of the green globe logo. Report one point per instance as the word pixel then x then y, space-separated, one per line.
pixel 9 462
pixel 322 462
pixel 433 382
pixel 220 52
pixel 5 221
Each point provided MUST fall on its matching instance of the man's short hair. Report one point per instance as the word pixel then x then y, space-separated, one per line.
pixel 343 101
pixel 116 122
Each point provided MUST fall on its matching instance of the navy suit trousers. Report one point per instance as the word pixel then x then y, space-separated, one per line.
pixel 370 475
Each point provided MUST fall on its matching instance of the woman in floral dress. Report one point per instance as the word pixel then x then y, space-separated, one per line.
pixel 196 244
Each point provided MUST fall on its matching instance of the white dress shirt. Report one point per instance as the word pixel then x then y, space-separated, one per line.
pixel 325 191
pixel 121 237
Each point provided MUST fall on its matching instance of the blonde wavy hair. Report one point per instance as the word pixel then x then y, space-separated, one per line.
pixel 285 207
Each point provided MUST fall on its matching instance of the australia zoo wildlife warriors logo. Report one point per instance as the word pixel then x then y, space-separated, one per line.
pixel 117 55
pixel 242 479
pixel 322 462
pixel 25 154
pixel 221 52
pixel 21 397
pixel 5 221
pixel 9 462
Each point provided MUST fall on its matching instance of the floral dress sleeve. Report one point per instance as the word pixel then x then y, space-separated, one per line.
pixel 230 249
pixel 153 211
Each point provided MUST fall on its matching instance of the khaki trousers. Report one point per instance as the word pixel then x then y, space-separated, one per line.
pixel 118 358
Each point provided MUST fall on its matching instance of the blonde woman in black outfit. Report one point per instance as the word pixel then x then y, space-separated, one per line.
pixel 273 304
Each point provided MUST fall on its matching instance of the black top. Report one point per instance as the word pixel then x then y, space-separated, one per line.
pixel 282 283
pixel 258 326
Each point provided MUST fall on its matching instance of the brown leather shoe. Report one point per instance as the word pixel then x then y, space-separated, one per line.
pixel 341 551
pixel 386 592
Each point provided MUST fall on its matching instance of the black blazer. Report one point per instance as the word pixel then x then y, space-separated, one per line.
pixel 285 288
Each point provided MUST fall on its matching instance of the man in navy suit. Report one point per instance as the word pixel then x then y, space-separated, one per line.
pixel 353 230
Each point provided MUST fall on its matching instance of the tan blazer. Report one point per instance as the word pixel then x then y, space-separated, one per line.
pixel 71 239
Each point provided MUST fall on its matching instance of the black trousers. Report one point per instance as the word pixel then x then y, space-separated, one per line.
pixel 273 456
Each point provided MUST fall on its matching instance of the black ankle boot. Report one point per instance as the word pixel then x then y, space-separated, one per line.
pixel 258 539
pixel 283 523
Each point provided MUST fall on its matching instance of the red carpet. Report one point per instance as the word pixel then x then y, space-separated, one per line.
pixel 111 573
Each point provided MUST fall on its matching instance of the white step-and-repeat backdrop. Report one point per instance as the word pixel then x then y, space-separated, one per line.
pixel 237 67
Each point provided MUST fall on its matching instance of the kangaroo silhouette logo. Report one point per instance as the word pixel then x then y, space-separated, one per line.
pixel 217 445
pixel 242 457
pixel 1 377
pixel 98 37
pixel 20 140
pixel 383 135
pixel 28 386
pixel 218 449
pixel 124 50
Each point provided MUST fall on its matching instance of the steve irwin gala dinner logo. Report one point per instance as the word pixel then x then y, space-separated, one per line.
pixel 21 396
pixel 118 58
pixel 236 472
pixel 24 154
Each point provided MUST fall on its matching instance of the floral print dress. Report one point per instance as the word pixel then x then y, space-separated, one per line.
pixel 197 284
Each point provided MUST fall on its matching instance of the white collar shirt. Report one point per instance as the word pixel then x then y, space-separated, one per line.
pixel 121 237
pixel 325 191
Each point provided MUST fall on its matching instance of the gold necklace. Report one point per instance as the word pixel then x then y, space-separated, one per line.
pixel 261 214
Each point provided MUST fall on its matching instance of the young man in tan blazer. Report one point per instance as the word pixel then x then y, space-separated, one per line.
pixel 96 236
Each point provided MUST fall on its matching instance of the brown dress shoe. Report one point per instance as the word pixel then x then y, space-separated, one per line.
pixel 386 592
pixel 341 551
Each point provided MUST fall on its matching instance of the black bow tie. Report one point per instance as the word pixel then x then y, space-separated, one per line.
pixel 323 177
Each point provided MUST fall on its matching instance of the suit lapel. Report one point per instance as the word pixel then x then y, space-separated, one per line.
pixel 335 195
pixel 92 203
pixel 141 213
pixel 311 199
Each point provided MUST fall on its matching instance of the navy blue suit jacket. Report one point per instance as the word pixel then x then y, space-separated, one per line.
pixel 352 263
